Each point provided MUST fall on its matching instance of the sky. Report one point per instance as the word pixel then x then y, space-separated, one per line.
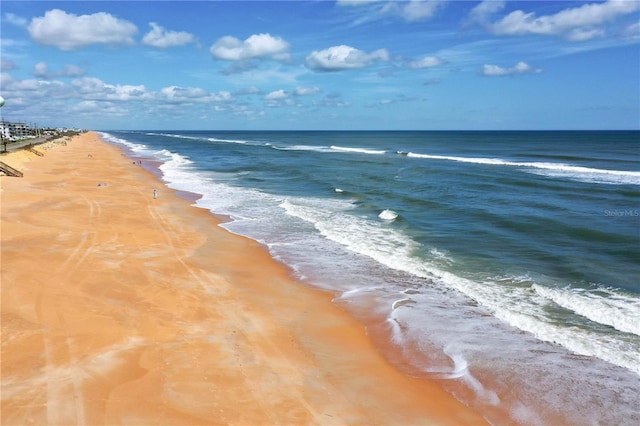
pixel 322 65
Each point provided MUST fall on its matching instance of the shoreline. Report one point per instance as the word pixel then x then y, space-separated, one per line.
pixel 118 308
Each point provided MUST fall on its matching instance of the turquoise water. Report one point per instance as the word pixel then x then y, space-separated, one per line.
pixel 504 264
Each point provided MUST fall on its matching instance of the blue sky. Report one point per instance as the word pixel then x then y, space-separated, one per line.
pixel 354 65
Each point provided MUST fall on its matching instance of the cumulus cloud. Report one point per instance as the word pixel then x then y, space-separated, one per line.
pixel 41 70
pixel 28 91
pixel 426 62
pixel 338 58
pixel 279 98
pixel 576 24
pixel 276 95
pixel 182 93
pixel 96 89
pixel 179 94
pixel 417 10
pixel 485 10
pixel 91 95
pixel 68 31
pixel 162 38
pixel 519 68
pixel 257 46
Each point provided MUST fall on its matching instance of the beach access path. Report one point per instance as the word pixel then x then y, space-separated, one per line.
pixel 122 309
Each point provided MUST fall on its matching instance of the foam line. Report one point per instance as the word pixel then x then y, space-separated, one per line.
pixel 617 310
pixel 554 169
pixel 358 150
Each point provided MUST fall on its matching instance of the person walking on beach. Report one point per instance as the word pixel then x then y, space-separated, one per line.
pixel 155 194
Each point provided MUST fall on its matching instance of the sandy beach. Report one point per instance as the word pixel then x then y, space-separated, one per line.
pixel 122 308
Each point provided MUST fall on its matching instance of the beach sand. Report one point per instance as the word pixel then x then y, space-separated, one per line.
pixel 118 308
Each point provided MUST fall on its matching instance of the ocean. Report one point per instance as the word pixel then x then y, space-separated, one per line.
pixel 504 265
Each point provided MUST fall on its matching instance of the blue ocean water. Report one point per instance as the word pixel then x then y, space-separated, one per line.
pixel 504 264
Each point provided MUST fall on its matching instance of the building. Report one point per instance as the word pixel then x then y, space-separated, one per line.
pixel 4 131
pixel 15 131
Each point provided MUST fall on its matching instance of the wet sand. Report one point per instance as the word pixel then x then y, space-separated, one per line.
pixel 118 308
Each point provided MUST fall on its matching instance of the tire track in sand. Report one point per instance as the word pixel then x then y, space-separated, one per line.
pixel 62 370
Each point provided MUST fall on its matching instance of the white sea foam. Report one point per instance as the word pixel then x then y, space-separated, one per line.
pixel 388 215
pixel 401 302
pixel 174 163
pixel 238 141
pixel 328 149
pixel 585 174
pixel 516 305
pixel 441 256
pixel 605 306
pixel 172 135
pixel 314 148
pixel 135 147
pixel 369 238
pixel 358 150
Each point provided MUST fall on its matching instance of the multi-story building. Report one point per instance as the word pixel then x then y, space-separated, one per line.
pixel 15 131
pixel 4 131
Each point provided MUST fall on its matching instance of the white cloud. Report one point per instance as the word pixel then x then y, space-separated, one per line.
pixel 306 91
pixel 183 93
pixel 177 94
pixel 162 38
pixel 519 68
pixel 584 34
pixel 276 95
pixel 99 109
pixel 68 31
pixel 426 62
pixel 409 10
pixel 258 46
pixel 485 10
pixel 576 24
pixel 222 96
pixel 41 70
pixel 31 91
pixel 16 20
pixel 343 57
pixel 89 95
pixel 96 89
pixel 419 10
pixel 632 31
